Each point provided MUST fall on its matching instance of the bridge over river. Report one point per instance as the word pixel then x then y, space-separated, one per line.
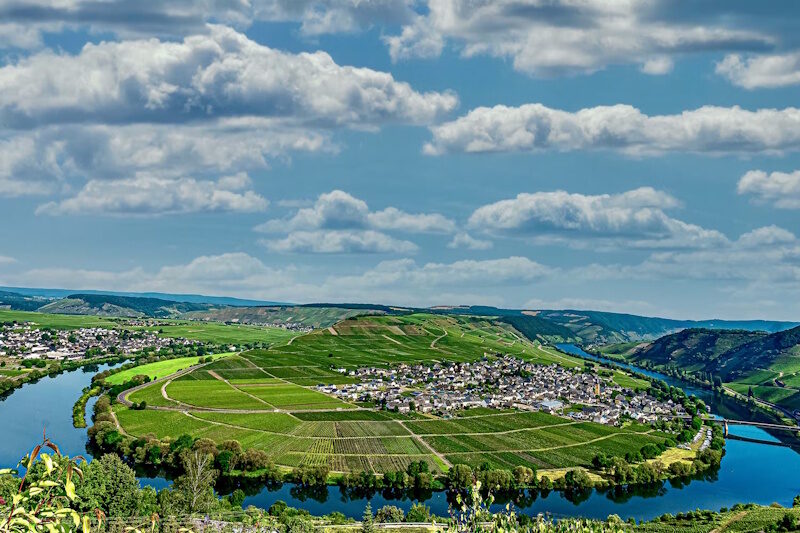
pixel 763 425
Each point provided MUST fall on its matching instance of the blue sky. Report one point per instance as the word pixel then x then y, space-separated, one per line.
pixel 620 156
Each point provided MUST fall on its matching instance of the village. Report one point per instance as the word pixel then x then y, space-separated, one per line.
pixel 504 382
pixel 26 341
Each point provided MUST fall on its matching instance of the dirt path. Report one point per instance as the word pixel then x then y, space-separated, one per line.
pixel 437 339
pixel 333 331
pixel 426 445
pixel 561 447
pixel 735 518
pixel 229 384
pixel 388 338
pixel 122 397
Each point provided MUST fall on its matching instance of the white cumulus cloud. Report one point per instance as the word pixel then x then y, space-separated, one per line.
pixel 339 242
pixel 781 189
pixel 535 127
pixel 155 195
pixel 566 37
pixel 465 240
pixel 216 74
pixel 340 210
pixel 634 218
pixel 761 71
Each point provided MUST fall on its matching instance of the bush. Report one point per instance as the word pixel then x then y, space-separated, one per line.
pixel 252 460
pixel 460 477
pixel 389 514
pixel 419 512
pixel 577 479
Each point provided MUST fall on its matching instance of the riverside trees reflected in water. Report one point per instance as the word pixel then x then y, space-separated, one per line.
pixel 774 470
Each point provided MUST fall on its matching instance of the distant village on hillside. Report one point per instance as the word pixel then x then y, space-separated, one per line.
pixel 503 383
pixel 27 341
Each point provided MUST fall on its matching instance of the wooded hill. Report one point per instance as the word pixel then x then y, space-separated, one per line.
pixel 768 364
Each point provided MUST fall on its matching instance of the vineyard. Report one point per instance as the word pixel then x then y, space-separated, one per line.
pixel 266 399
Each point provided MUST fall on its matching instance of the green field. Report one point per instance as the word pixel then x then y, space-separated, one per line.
pixel 266 399
pixel 222 333
pixel 625 380
pixel 202 331
pixel 57 321
pixel 158 369
pixel 382 445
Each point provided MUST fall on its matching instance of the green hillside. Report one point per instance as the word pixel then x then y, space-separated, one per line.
pixel 312 316
pixel 599 327
pixel 534 327
pixel 16 301
pixel 766 364
pixel 694 349
pixel 121 306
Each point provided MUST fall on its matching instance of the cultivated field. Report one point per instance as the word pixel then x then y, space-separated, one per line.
pixel 158 369
pixel 265 399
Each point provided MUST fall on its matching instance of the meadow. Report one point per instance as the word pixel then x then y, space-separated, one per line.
pixel 158 369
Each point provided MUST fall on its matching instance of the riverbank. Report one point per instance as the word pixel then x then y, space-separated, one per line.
pixel 55 368
pixel 727 404
pixel 774 470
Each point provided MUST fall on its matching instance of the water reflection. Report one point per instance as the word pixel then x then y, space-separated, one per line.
pixel 749 472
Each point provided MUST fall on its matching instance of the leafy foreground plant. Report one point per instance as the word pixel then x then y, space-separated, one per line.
pixel 42 501
pixel 473 514
pixel 56 495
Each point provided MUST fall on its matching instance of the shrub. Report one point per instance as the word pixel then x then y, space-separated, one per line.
pixel 389 514
pixel 419 512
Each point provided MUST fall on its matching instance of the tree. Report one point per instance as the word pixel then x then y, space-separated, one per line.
pixel 419 512
pixel 796 501
pixel 601 461
pixel 253 459
pixel 195 487
pixel 524 476
pixel 109 485
pixel 577 479
pixel 460 477
pixel 621 470
pixel 237 497
pixel 368 521
pixel 389 514
pixel 225 461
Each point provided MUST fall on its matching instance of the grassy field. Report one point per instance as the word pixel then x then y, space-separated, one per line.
pixel 270 403
pixel 57 321
pixel 158 369
pixel 223 333
pixel 625 380
pixel 202 331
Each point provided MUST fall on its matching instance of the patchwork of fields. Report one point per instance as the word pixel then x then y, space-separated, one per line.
pixel 345 441
pixel 265 399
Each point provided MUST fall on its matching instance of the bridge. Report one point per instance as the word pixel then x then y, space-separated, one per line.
pixel 725 422
pixel 764 425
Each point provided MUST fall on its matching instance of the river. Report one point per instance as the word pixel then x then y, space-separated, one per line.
pixel 749 472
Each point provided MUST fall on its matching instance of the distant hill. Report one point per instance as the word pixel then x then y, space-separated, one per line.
pixel 768 364
pixel 316 316
pixel 20 302
pixel 600 327
pixel 584 327
pixel 534 327
pixel 56 294
pixel 694 348
pixel 764 351
pixel 123 306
